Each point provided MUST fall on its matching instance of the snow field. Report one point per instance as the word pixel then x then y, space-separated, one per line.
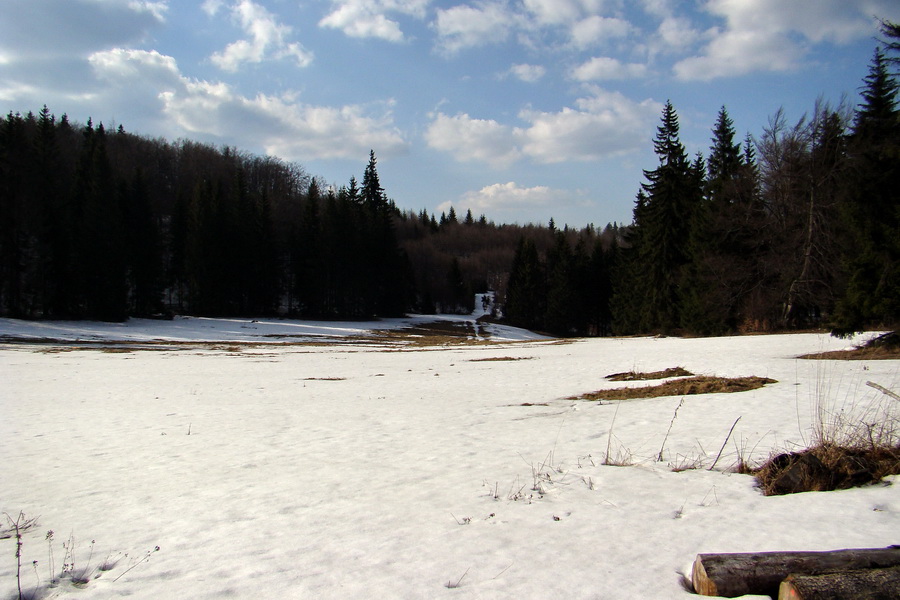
pixel 347 471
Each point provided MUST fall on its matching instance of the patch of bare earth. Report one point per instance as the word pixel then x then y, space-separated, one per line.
pixel 438 333
pixel 637 376
pixel 701 384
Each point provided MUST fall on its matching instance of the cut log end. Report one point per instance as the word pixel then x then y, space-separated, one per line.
pixel 703 585
pixel 732 575
pixel 858 584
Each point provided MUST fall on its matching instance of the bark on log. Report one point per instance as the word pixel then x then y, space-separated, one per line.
pixel 861 584
pixel 732 575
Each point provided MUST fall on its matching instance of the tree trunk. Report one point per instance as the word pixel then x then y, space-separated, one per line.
pixel 862 584
pixel 732 575
pixel 794 292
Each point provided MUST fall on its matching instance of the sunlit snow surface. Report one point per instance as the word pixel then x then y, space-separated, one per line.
pixel 288 459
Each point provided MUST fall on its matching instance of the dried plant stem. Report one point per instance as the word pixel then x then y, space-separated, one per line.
pixel 883 390
pixel 722 449
pixel 609 436
pixel 659 457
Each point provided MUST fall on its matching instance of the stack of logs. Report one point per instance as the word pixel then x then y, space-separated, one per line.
pixel 857 574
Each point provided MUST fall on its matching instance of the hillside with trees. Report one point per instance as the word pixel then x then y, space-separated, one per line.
pixel 797 227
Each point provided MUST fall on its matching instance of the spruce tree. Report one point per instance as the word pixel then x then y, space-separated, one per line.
pixel 526 288
pixel 872 206
pixel 672 193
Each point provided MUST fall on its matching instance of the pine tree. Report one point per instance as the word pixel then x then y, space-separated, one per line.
pixel 725 161
pixel 872 206
pixel 101 233
pixel 662 251
pixel 371 193
pixel 526 289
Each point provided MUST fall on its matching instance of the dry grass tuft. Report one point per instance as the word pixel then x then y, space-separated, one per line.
pixel 636 376
pixel 827 467
pixel 855 442
pixel 701 384
pixel 501 359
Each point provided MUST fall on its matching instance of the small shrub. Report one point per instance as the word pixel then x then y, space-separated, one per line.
pixel 827 467
pixel 854 443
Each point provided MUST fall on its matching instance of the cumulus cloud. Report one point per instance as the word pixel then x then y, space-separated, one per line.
pixel 560 12
pixel 469 139
pixel 368 18
pixel 76 27
pixel 279 124
pixel 677 32
pixel 772 35
pixel 596 29
pixel 267 38
pixel 509 196
pixel 527 73
pixel 604 67
pixel 601 125
pixel 468 26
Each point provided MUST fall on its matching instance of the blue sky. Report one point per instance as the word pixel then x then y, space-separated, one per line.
pixel 521 110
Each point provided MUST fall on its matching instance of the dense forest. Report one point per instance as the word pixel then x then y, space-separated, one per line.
pixel 798 227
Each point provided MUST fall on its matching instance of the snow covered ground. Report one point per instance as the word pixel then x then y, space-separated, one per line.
pixel 265 466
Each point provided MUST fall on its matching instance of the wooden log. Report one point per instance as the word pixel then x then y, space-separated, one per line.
pixel 860 584
pixel 732 575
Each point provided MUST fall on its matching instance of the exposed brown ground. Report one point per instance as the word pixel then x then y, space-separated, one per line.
pixel 701 384
pixel 635 376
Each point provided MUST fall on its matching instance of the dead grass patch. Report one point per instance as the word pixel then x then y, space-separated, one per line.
pixel 827 467
pixel 501 359
pixel 701 384
pixel 637 376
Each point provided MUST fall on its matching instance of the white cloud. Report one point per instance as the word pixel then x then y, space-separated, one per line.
pixel 267 38
pixel 278 124
pixel 44 29
pixel 469 139
pixel 368 18
pixel 596 29
pixel 212 7
pixel 560 12
pixel 467 26
pixel 601 125
pixel 773 35
pixel 509 196
pixel 604 67
pixel 527 73
pixel 677 32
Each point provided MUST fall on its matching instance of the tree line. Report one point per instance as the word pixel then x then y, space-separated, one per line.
pixel 98 224
pixel 797 227
pixel 102 225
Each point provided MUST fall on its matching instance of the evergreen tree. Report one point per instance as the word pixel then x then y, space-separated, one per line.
pixel 144 247
pixel 13 238
pixel 662 251
pixel 101 232
pixel 872 206
pixel 600 288
pixel 725 161
pixel 526 289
